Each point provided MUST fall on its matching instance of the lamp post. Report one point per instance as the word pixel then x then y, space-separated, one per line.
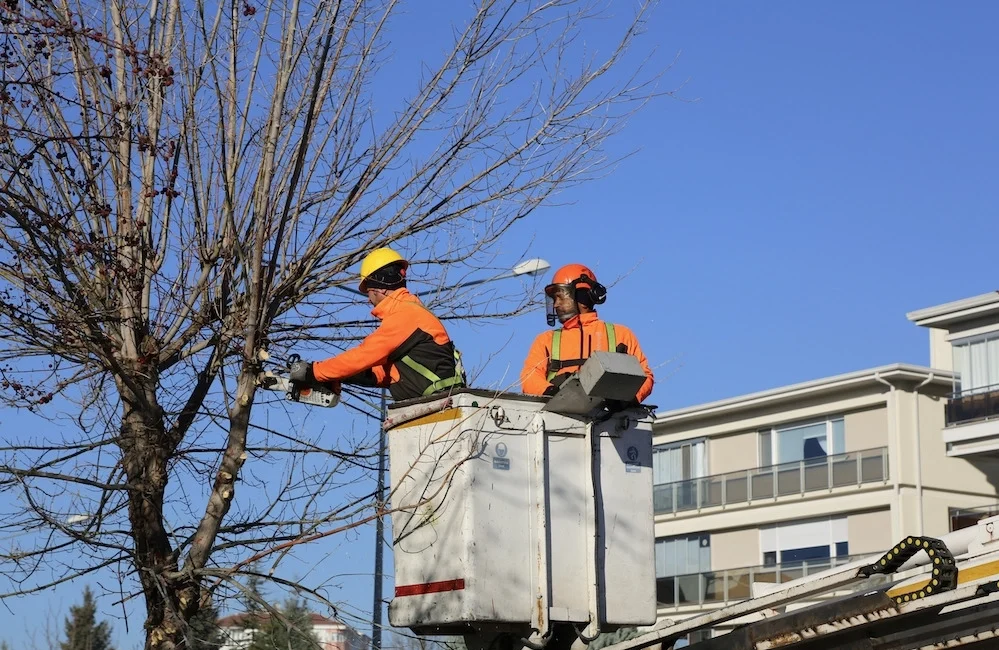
pixel 527 267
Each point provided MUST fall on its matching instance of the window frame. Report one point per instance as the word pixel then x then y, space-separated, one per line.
pixel 835 544
pixel 680 444
pixel 966 342
pixel 703 542
pixel 774 433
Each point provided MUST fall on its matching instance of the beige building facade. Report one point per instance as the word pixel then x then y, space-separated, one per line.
pixel 775 485
pixel 964 339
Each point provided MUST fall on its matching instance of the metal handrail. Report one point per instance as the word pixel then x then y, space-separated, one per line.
pixel 771 482
pixel 978 390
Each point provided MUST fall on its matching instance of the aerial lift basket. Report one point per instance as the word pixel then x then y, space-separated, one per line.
pixel 510 517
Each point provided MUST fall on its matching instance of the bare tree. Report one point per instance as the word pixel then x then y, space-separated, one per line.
pixel 186 184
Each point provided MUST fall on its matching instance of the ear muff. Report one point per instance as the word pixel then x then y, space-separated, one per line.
pixel 597 292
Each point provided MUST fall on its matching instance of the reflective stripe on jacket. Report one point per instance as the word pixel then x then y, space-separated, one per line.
pixel 410 352
pixel 578 337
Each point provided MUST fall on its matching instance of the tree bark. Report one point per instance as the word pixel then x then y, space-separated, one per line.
pixel 146 450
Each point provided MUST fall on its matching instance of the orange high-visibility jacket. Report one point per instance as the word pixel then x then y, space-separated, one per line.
pixel 579 336
pixel 410 352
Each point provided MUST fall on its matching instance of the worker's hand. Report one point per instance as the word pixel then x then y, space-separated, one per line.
pixel 557 382
pixel 334 386
pixel 301 372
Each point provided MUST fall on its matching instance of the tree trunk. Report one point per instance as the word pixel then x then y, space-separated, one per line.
pixel 146 450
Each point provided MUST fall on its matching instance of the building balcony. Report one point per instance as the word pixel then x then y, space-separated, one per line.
pixel 855 468
pixel 972 405
pixel 972 423
pixel 961 518
pixel 732 585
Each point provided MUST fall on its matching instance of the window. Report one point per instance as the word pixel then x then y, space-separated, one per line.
pixel 814 541
pixel 766 448
pixel 692 637
pixel 797 442
pixel 681 565
pixel 976 361
pixel 677 556
pixel 679 462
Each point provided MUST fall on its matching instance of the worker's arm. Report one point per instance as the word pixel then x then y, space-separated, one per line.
pixel 371 354
pixel 534 375
pixel 627 337
pixel 367 378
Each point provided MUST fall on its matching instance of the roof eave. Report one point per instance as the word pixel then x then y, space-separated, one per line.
pixel 956 311
pixel 899 371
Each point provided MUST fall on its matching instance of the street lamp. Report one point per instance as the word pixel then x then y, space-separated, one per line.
pixel 527 267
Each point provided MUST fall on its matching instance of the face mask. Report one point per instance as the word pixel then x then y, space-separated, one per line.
pixel 566 298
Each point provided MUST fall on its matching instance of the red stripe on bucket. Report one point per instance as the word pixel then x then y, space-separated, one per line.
pixel 430 587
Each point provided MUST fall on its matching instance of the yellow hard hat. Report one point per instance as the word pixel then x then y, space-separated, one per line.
pixel 377 259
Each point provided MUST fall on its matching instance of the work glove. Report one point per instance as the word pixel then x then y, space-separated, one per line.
pixel 557 382
pixel 301 372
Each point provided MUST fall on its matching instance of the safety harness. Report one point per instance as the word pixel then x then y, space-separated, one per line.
pixel 555 363
pixel 436 383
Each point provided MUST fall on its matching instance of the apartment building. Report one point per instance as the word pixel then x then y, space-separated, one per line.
pixel 238 630
pixel 775 485
pixel 964 339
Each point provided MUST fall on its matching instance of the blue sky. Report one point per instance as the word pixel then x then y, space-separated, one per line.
pixel 830 168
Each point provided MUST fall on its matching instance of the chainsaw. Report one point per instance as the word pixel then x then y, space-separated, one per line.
pixel 312 394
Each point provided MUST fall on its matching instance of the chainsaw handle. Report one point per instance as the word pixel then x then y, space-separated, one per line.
pixel 296 388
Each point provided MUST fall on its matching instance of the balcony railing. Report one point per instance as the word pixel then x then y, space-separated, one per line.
pixel 734 584
pixel 967 517
pixel 800 477
pixel 975 404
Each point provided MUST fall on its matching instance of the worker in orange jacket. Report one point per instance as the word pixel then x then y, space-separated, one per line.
pixel 410 352
pixel 555 355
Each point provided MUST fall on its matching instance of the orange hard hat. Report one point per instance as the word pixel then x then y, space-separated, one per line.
pixel 570 274
pixel 577 282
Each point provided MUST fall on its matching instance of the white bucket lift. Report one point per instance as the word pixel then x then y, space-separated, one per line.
pixel 511 520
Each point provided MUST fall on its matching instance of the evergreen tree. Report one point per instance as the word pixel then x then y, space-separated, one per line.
pixel 83 632
pixel 254 594
pixel 203 630
pixel 292 633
